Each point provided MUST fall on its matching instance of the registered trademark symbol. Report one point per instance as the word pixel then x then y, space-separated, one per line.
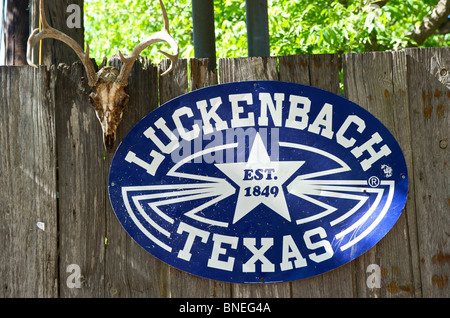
pixel 373 182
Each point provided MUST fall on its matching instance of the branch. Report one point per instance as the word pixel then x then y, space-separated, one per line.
pixel 372 44
pixel 430 23
pixel 380 3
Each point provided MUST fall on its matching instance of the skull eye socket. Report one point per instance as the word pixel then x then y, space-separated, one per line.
pixel 123 101
pixel 95 100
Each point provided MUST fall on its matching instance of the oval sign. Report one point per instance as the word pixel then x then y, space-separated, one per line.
pixel 261 181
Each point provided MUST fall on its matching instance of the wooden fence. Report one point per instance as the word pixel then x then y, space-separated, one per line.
pixel 55 215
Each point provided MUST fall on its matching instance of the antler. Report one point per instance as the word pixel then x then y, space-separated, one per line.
pixel 108 96
pixel 50 33
pixel 161 36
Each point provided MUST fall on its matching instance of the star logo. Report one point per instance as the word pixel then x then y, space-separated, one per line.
pixel 260 181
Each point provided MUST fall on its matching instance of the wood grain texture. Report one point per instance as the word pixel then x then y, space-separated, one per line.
pixel 28 212
pixel 248 69
pixel 429 96
pixel 82 181
pixel 294 69
pixel 46 122
pixel 200 74
pixel 129 270
pixel 173 84
pixel 370 82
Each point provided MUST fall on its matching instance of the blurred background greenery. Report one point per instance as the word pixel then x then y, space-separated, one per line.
pixel 295 27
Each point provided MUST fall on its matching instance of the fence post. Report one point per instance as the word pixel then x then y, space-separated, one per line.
pixel 204 35
pixel 257 28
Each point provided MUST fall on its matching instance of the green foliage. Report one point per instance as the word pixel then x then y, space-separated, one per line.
pixel 296 27
pixel 342 26
pixel 230 28
pixel 121 24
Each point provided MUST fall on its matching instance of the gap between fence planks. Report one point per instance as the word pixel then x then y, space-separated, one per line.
pixel 407 90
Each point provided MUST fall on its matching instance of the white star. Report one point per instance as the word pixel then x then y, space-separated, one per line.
pixel 260 180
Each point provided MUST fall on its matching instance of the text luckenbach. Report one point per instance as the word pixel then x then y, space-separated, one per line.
pixel 169 136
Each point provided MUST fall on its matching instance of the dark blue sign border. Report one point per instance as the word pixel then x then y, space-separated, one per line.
pixel 258 182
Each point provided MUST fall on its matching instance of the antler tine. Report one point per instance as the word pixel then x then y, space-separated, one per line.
pixel 161 36
pixel 50 33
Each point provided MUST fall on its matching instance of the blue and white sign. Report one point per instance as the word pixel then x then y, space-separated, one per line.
pixel 260 181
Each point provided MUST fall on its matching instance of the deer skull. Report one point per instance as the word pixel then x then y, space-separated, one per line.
pixel 109 100
pixel 108 96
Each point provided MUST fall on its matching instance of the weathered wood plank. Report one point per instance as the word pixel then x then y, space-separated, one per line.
pixel 294 69
pixel 320 71
pixel 28 212
pixel 402 132
pixel 369 82
pixel 429 96
pixel 248 69
pixel 82 181
pixel 200 74
pixel 173 84
pixel 324 72
pixel 130 271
